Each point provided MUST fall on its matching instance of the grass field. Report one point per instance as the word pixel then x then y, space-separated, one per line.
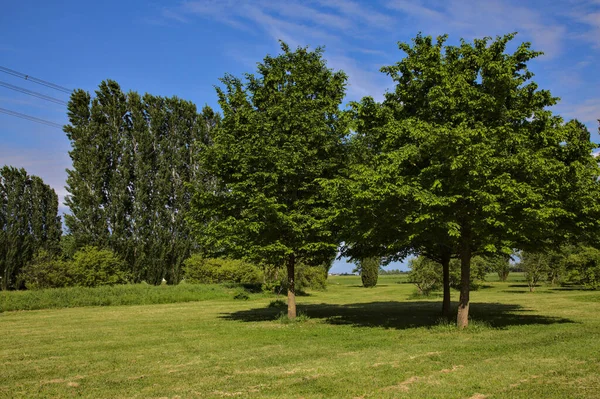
pixel 353 343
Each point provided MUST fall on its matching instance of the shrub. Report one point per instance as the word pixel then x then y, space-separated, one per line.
pixel 277 303
pixel 583 264
pixel 92 267
pixel 45 271
pixel 305 277
pixel 425 274
pixel 240 294
pixel 369 271
pixel 210 271
pixel 311 277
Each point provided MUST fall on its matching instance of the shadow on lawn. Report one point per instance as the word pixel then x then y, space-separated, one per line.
pixel 400 315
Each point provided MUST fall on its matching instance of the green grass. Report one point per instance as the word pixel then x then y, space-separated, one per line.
pixel 352 342
pixel 132 294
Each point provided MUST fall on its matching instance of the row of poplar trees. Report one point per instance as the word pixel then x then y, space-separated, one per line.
pixel 29 222
pixel 133 158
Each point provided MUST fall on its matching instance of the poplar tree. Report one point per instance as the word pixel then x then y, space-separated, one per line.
pixel 281 133
pixel 29 222
pixel 133 159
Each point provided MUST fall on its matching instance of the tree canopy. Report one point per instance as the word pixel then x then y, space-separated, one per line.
pixel 29 222
pixel 281 132
pixel 464 157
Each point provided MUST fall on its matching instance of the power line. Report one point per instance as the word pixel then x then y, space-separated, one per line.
pixel 30 118
pixel 33 93
pixel 36 80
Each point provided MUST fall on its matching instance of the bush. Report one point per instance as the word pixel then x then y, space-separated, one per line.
pixel 240 294
pixel 305 277
pixel 583 264
pixel 45 271
pixel 92 267
pixel 369 271
pixel 211 271
pixel 311 277
pixel 425 274
pixel 277 303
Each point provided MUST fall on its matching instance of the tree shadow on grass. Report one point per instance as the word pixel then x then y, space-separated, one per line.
pixel 400 315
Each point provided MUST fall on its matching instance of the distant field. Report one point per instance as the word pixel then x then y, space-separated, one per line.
pixel 382 342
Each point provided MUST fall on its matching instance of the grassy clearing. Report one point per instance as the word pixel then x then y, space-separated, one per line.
pixel 353 342
pixel 132 294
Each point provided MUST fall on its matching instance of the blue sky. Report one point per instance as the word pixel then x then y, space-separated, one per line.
pixel 182 48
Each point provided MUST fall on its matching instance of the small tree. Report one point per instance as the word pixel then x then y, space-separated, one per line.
pixel 369 270
pixel 535 266
pixel 500 265
pixel 425 274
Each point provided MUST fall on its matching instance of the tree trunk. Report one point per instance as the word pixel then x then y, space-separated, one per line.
pixel 446 301
pixel 291 288
pixel 462 319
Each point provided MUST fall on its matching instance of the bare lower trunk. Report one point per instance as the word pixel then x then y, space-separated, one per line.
pixel 462 320
pixel 446 301
pixel 291 288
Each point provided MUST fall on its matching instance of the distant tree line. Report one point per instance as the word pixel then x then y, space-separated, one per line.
pixel 462 161
pixel 29 222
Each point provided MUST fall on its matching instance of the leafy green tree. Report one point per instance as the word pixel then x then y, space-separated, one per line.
pixel 500 265
pixel 281 133
pixel 425 274
pixel 464 158
pixel 582 264
pixel 535 265
pixel 369 270
pixel 29 222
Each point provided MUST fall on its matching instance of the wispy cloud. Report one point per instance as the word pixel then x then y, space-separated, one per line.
pixel 472 18
pixel 587 112
pixel 340 25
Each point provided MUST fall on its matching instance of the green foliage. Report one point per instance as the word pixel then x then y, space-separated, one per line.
pixel 305 277
pixel 310 277
pixel 583 266
pixel 282 132
pixel 220 270
pixel 425 273
pixel 133 159
pixel 301 318
pixel 241 295
pixel 92 267
pixel 464 156
pixel 499 264
pixel 46 270
pixel 115 295
pixel 29 222
pixel 536 266
pixel 369 270
pixel 277 303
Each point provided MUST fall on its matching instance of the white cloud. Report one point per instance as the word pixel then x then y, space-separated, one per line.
pixel 471 18
pixel 587 112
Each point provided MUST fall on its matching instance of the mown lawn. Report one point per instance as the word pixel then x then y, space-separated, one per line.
pixel 356 343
